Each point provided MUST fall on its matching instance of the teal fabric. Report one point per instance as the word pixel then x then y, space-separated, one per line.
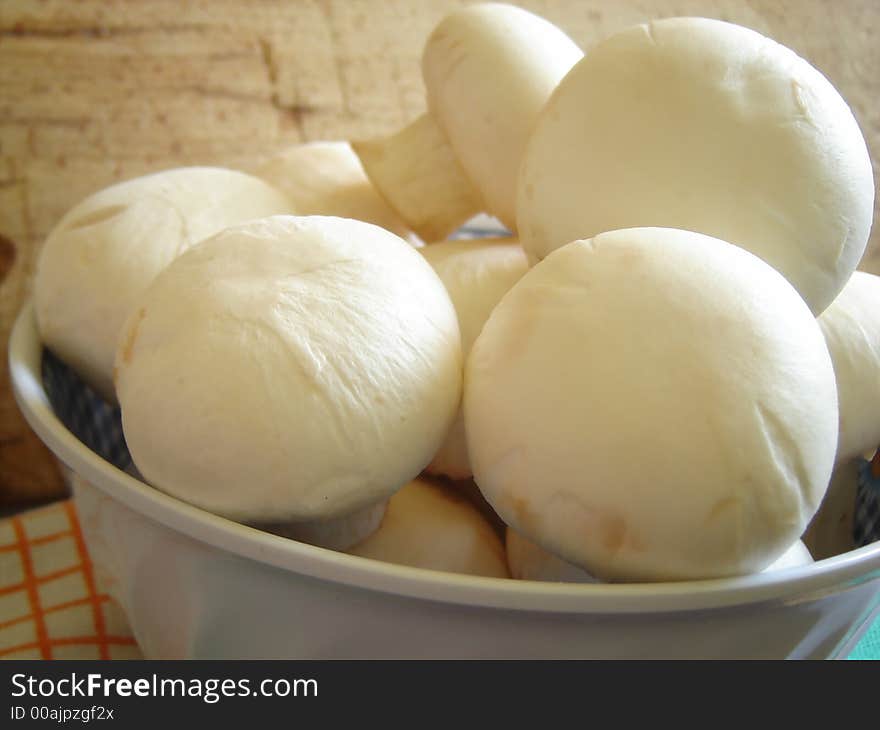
pixel 869 645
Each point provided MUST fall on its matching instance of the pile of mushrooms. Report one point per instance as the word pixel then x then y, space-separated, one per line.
pixel 653 377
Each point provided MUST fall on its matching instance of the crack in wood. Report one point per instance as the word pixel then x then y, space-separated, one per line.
pixel 71 122
pixel 8 254
pixel 296 111
pixel 20 30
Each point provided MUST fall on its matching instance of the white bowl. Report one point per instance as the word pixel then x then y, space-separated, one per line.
pixel 195 585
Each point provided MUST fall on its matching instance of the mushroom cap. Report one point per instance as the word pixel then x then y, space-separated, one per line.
pixel 476 273
pixel 529 561
pixel 105 251
pixel 489 68
pixel 290 369
pixel 851 325
pixel 427 526
pixel 327 178
pixel 706 126
pixel 653 404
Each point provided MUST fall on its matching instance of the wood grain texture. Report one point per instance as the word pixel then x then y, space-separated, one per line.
pixel 96 91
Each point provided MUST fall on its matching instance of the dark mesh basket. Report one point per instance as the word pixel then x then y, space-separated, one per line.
pixel 866 523
pixel 85 414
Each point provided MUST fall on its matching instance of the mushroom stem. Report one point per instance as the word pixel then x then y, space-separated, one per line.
pixel 416 171
pixel 326 178
pixel 337 533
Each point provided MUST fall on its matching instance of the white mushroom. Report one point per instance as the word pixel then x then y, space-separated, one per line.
pixel 706 126
pixel 106 250
pixel 529 561
pixel 326 178
pixel 427 526
pixel 653 404
pixel 340 533
pixel 488 69
pixel 291 369
pixel 851 325
pixel 476 273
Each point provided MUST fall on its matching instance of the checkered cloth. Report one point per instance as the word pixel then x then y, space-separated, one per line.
pixel 50 605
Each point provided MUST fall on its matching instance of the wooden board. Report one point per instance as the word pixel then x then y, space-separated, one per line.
pixel 96 91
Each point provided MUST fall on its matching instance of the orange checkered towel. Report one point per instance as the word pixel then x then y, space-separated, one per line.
pixel 50 605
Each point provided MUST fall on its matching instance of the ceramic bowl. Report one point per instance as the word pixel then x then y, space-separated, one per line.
pixel 195 585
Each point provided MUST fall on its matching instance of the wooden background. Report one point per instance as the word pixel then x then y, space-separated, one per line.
pixel 94 91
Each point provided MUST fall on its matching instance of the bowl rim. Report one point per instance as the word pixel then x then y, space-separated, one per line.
pixel 821 578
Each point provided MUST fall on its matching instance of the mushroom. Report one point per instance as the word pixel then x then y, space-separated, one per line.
pixel 427 526
pixel 476 273
pixel 653 404
pixel 290 370
pixel 326 178
pixel 340 533
pixel 706 126
pixel 529 561
pixel 851 325
pixel 105 251
pixel 488 69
